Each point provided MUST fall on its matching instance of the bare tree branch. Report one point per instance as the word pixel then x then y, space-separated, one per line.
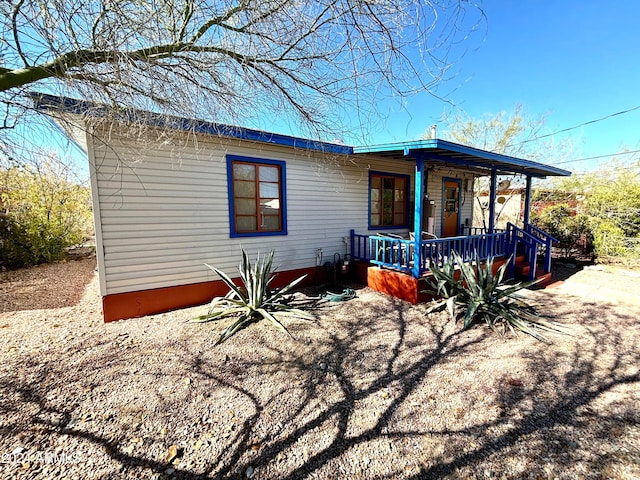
pixel 232 60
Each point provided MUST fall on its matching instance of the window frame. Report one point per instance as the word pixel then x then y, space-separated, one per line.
pixel 383 175
pixel 233 232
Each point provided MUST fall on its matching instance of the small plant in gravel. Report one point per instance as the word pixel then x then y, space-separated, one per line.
pixel 476 294
pixel 254 300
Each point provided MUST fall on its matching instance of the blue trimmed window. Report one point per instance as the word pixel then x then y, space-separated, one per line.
pixel 388 200
pixel 257 202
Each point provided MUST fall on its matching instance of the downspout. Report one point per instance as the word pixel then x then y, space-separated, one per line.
pixel 492 201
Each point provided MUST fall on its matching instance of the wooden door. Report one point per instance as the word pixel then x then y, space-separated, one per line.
pixel 450 207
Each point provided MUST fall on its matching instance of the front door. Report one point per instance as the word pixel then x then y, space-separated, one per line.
pixel 450 207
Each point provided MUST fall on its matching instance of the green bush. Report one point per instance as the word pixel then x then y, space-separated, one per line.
pixel 42 215
pixel 567 227
pixel 608 239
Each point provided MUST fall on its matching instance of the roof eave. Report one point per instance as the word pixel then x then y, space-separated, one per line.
pixel 465 156
pixel 46 102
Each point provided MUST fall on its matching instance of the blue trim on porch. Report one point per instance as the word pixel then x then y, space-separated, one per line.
pixel 453 153
pixel 401 254
pixel 420 184
pixel 492 200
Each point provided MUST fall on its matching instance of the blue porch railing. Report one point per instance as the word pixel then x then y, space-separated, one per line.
pixel 530 240
pixel 392 251
pixel 398 253
pixel 546 241
pixel 485 245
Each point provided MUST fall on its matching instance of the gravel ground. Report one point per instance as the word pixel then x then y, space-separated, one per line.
pixel 373 388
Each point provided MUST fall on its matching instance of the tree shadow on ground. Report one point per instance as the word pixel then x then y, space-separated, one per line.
pixel 360 398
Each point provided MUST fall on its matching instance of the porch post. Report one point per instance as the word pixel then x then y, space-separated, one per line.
pixel 527 201
pixel 492 201
pixel 417 215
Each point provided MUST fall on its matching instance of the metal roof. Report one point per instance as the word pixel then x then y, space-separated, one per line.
pixel 46 102
pixel 432 151
pixel 449 153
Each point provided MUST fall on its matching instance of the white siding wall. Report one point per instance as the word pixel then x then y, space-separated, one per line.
pixel 163 210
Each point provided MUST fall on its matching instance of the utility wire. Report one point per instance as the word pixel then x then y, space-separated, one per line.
pixel 598 156
pixel 575 126
pixel 611 170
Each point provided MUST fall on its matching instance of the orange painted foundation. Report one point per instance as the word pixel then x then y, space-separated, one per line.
pixel 121 306
pixel 398 284
pixel 404 286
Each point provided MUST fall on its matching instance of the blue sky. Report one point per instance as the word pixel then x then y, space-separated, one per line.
pixel 574 61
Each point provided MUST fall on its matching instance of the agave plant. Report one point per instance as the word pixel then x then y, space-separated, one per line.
pixel 478 295
pixel 254 300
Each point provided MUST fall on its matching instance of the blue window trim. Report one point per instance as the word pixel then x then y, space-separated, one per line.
pixel 406 207
pixel 459 182
pixel 283 186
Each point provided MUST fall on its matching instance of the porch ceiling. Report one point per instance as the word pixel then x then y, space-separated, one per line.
pixel 448 153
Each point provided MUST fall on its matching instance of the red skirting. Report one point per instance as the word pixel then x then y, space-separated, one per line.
pixel 120 306
pixel 398 284
pixel 404 286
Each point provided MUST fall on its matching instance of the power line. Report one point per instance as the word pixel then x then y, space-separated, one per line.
pixel 596 157
pixel 614 170
pixel 576 126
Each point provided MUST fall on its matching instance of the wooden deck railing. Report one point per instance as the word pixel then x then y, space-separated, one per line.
pixel 398 253
pixel 531 240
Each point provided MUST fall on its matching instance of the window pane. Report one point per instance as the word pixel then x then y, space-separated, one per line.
pixel 245 206
pixel 271 222
pixel 387 216
pixel 269 190
pixel 244 189
pixel 242 171
pixel 246 224
pixel 270 207
pixel 270 174
pixel 388 200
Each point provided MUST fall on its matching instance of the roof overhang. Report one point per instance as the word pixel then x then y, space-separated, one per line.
pixel 72 106
pixel 431 151
pixel 449 153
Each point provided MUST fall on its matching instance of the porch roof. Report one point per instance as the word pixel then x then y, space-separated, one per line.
pixel 449 153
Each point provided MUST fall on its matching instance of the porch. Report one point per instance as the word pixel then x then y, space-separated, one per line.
pixel 443 174
pixel 400 266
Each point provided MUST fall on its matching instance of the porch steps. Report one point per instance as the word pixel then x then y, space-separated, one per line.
pixel 522 273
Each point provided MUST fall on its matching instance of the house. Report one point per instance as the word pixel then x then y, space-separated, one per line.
pixel 180 193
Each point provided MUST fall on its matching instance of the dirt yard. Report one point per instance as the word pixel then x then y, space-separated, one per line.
pixel 372 388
